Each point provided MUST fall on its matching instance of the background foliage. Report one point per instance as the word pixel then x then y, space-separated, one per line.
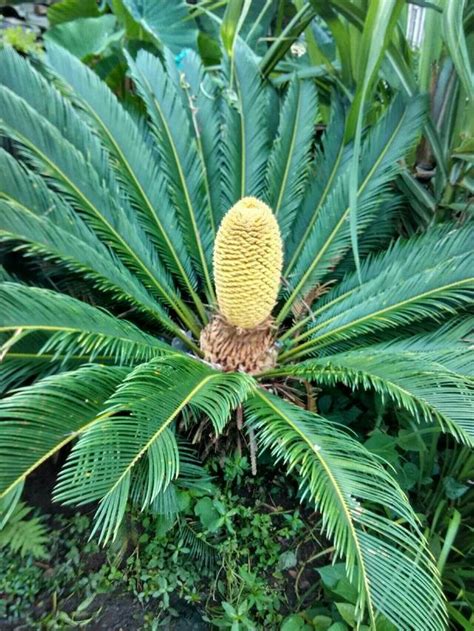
pixel 333 47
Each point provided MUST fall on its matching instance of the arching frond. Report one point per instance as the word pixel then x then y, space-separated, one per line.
pixel 26 309
pixel 203 101
pixel 406 257
pixel 289 158
pixel 82 173
pixel 402 260
pixel 433 293
pixel 37 421
pixel 20 361
pixel 377 236
pixel 20 77
pixel 180 159
pixel 324 172
pixel 137 421
pixel 349 486
pixel 245 137
pixel 41 219
pixel 164 499
pixel 136 162
pixel 9 502
pixel 330 237
pixel 415 380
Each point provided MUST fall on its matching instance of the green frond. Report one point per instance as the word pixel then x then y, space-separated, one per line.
pixel 330 237
pixel 19 76
pixel 203 102
pixel 287 169
pixel 245 135
pixel 48 226
pixel 324 173
pixel 406 257
pixel 24 534
pixel 164 499
pixel 377 236
pixel 403 259
pixel 135 162
pixel 449 345
pixel 137 422
pixel 76 327
pixel 38 420
pixel 386 302
pixel 415 380
pixel 21 362
pixel 9 501
pixel 16 368
pixel 180 159
pixel 349 486
pixel 48 137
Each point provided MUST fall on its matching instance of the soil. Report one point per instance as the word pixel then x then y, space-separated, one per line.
pixel 120 611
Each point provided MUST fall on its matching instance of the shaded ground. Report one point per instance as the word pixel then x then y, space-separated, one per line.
pixel 83 591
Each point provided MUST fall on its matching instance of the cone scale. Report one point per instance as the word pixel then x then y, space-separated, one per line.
pixel 248 258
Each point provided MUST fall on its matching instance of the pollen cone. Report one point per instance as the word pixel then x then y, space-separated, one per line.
pixel 248 258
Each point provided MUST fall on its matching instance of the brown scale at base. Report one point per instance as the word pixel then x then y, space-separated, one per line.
pixel 232 348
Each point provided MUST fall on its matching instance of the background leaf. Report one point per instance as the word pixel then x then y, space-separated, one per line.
pixel 85 36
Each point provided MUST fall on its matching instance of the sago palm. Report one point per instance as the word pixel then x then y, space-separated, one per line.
pixel 194 313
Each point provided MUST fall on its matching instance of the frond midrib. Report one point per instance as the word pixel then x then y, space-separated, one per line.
pixel 290 154
pixel 189 205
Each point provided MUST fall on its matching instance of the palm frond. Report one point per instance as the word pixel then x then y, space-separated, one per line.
pixel 37 421
pixel 19 76
pixel 56 140
pixel 180 159
pixel 377 236
pixel 403 259
pixel 415 380
pixel 138 422
pixel 77 328
pixel 135 160
pixel 434 291
pixel 38 217
pixel 287 169
pixel 17 368
pixel 349 486
pixel 449 345
pixel 324 172
pixel 203 102
pixel 406 257
pixel 20 361
pixel 245 136
pixel 330 236
pixel 165 501
pixel 9 501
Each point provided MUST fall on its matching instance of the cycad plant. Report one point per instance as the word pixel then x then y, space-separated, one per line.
pixel 143 321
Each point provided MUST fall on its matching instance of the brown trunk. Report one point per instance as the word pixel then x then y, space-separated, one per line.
pixel 234 349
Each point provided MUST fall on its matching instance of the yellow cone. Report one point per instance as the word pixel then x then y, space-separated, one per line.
pixel 248 257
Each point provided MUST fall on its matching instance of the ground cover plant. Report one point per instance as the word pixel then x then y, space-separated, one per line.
pixel 199 571
pixel 156 320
